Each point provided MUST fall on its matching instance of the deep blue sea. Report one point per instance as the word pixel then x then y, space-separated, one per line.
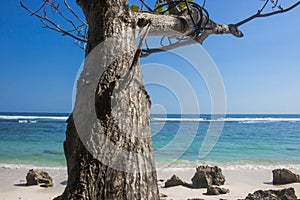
pixel 252 141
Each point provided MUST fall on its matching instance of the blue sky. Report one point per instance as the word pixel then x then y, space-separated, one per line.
pixel 260 71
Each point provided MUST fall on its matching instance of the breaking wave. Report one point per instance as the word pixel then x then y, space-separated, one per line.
pixel 32 119
pixel 239 120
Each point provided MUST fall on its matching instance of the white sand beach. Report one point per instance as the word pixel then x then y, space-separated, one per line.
pixel 240 182
pixel 13 185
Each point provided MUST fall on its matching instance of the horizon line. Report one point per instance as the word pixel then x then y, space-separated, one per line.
pixel 69 113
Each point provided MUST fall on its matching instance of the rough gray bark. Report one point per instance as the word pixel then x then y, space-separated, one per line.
pixel 88 177
pixel 176 26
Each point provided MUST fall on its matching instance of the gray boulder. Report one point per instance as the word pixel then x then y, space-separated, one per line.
pixel 206 176
pixel 216 190
pixel 284 194
pixel 284 176
pixel 173 181
pixel 39 177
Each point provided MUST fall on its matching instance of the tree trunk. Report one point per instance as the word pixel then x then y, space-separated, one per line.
pixel 123 117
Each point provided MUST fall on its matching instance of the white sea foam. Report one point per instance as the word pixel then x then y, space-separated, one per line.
pixel 187 165
pixel 22 121
pixel 177 167
pixel 27 121
pixel 263 119
pixel 24 118
pixel 24 166
pixel 178 119
pixel 240 120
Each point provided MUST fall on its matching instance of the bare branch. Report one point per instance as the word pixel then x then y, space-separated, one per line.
pixel 76 28
pixel 219 29
pixel 42 6
pixel 258 14
pixel 72 11
pixel 193 22
pixel 267 1
pixel 67 19
pixel 214 29
pixel 144 4
pixel 164 25
pixel 176 26
pixel 49 24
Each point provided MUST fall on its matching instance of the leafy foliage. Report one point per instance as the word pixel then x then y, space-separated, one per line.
pixel 162 6
pixel 135 8
pixel 182 5
pixel 159 8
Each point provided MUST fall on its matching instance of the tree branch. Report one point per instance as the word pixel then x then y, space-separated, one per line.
pixel 174 26
pixel 193 22
pixel 47 23
pixel 74 14
pixel 264 6
pixel 215 29
pixel 258 14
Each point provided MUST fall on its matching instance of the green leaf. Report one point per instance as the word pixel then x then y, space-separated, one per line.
pixel 135 8
pixel 182 5
pixel 157 8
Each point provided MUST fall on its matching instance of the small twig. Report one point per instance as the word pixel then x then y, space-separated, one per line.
pixel 258 14
pixel 267 1
pixel 54 27
pixel 68 20
pixel 275 4
pixel 143 2
pixel 72 11
pixel 40 8
pixel 56 9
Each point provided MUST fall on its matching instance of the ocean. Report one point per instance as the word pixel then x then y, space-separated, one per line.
pixel 179 141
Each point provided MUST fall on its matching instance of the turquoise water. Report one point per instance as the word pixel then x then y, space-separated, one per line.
pixel 32 139
pixel 36 139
